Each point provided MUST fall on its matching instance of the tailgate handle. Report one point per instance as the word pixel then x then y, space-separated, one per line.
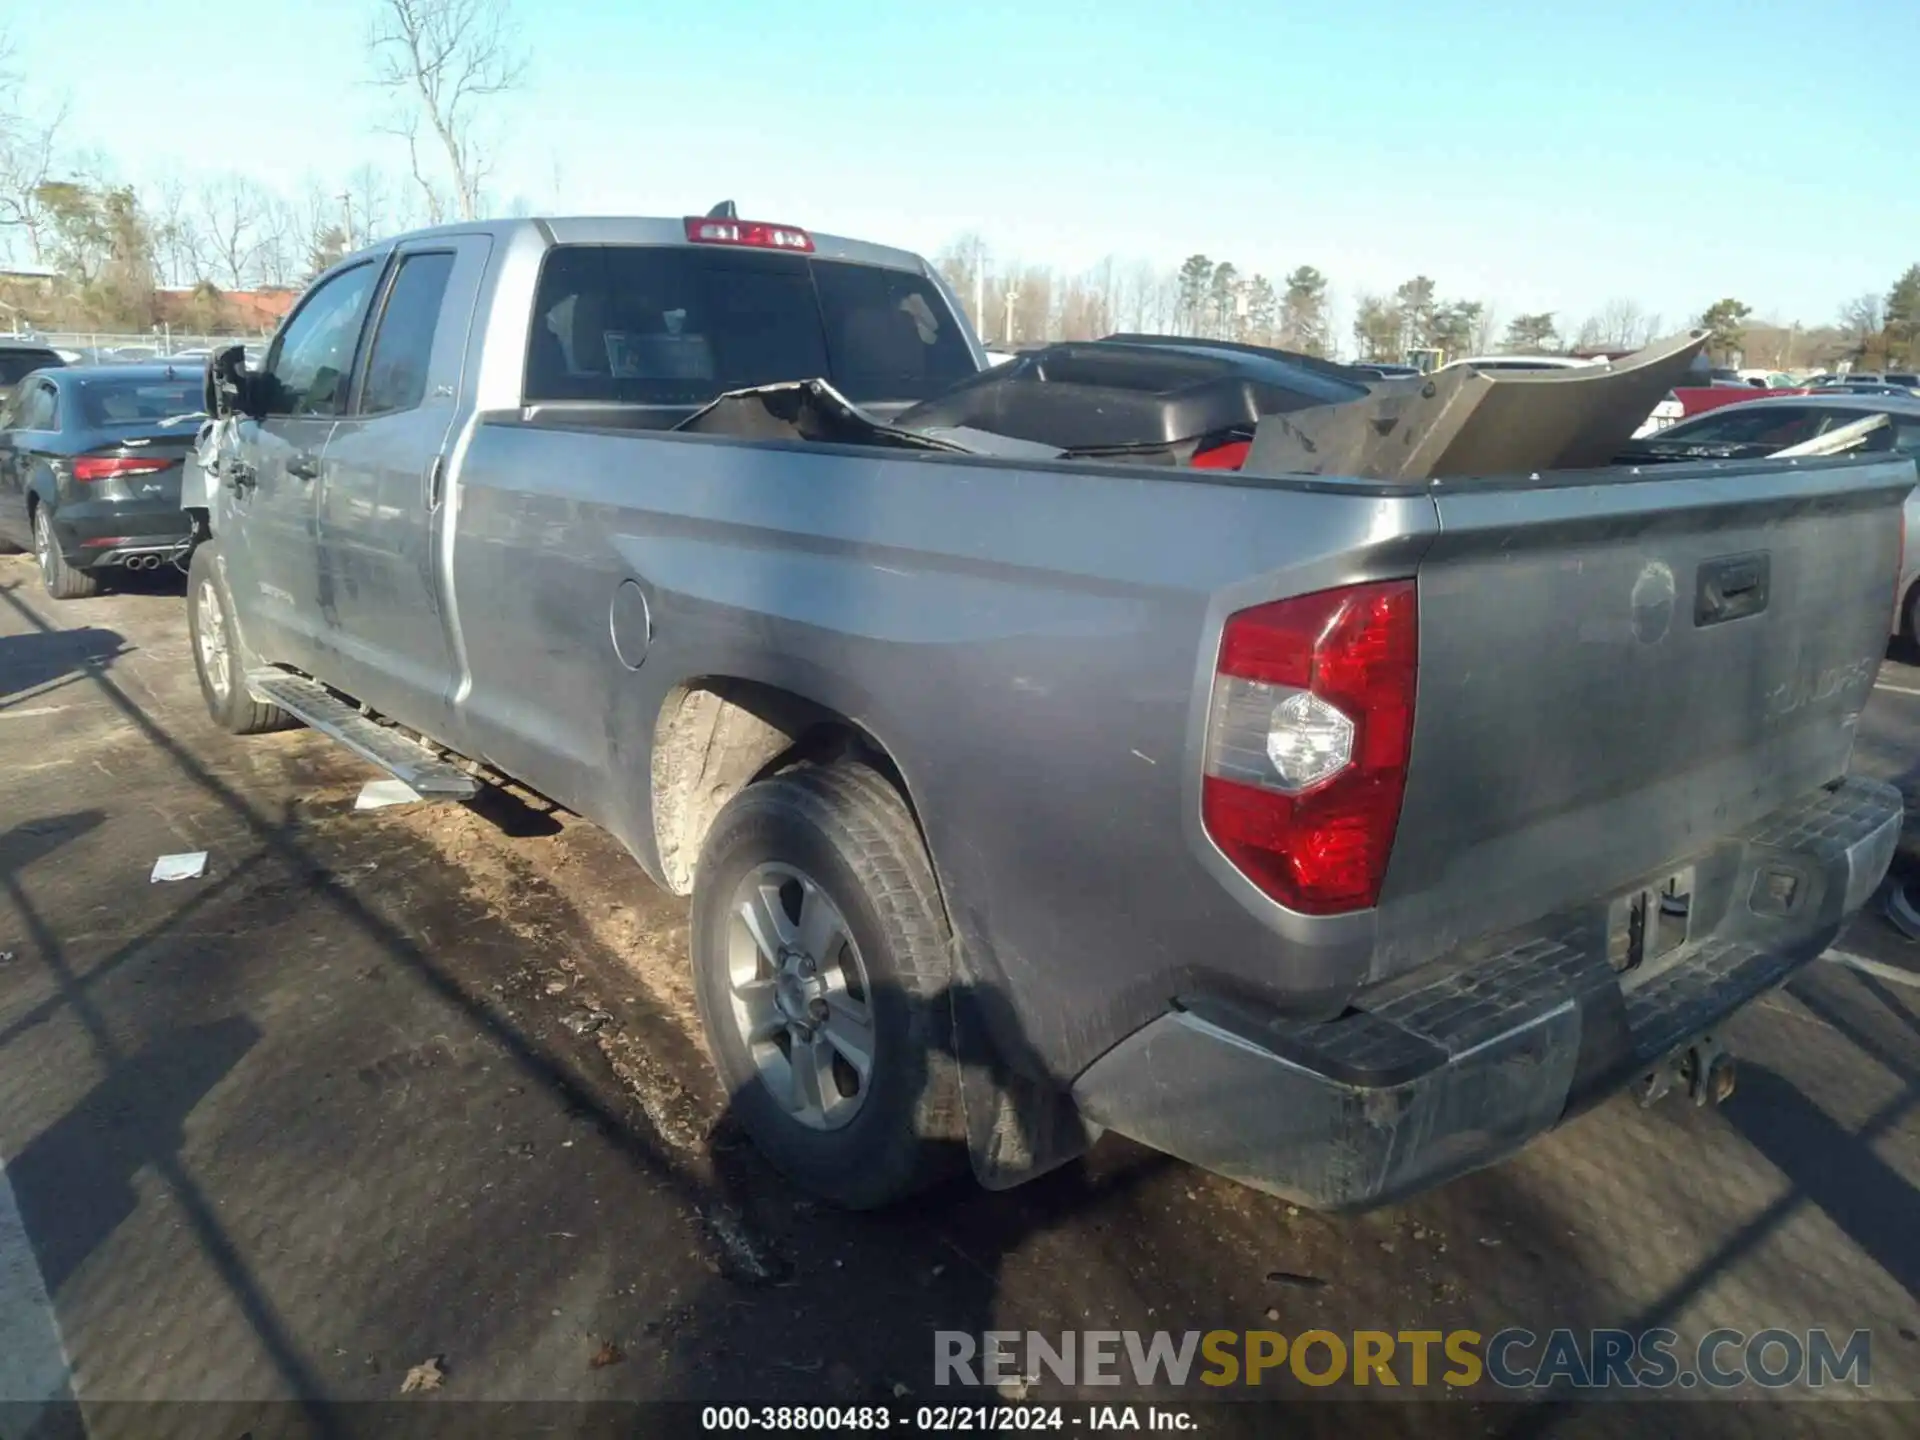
pixel 1731 587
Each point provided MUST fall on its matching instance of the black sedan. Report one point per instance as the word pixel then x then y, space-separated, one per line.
pixel 91 458
pixel 1755 429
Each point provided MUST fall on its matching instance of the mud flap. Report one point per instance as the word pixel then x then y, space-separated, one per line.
pixel 1019 1124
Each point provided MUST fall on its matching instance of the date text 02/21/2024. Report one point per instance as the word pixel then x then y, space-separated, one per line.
pixel 941 1419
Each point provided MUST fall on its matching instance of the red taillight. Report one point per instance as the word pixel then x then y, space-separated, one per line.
pixel 111 467
pixel 757 233
pixel 1308 739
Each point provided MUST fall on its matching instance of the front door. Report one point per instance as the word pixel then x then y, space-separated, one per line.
pixel 382 494
pixel 273 571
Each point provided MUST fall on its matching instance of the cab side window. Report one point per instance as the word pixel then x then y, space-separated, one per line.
pixel 403 338
pixel 308 367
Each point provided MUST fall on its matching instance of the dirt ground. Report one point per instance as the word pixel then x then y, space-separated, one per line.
pixel 424 1083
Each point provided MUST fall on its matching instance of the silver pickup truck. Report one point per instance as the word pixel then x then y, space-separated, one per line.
pixel 1334 835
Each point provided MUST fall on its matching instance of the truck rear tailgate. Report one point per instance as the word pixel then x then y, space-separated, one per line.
pixel 1613 675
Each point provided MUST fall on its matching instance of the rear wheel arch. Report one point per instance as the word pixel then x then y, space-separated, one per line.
pixel 716 734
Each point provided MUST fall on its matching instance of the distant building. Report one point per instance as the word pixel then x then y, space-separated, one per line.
pixel 184 307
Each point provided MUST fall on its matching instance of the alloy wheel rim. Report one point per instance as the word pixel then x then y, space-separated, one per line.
pixel 799 996
pixel 213 640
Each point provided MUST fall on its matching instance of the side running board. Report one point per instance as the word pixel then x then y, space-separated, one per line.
pixel 311 702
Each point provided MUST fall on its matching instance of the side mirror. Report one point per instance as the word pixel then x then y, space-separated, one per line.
pixel 231 389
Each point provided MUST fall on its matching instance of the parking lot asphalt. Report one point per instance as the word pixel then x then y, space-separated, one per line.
pixel 385 1087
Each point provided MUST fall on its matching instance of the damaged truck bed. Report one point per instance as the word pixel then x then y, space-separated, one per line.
pixel 1171 402
pixel 1337 824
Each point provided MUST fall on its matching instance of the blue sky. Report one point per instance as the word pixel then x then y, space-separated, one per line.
pixel 1537 155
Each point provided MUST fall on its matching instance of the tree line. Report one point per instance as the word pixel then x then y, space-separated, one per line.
pixel 1022 305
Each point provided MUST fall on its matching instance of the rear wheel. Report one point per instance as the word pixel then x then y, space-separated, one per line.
pixel 217 656
pixel 62 580
pixel 820 953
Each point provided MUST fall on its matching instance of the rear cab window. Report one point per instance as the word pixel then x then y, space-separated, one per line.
pixel 681 325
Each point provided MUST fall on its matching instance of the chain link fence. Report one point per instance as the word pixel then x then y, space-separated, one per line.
pixel 97 346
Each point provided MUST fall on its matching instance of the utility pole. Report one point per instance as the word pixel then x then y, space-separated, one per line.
pixel 346 205
pixel 980 282
pixel 1006 337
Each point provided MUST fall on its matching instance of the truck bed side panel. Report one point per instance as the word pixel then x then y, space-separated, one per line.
pixel 1025 642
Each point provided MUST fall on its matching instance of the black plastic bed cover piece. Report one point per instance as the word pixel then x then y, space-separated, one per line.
pixel 1133 398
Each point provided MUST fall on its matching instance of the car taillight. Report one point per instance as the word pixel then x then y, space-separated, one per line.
pixel 757 233
pixel 111 467
pixel 1307 742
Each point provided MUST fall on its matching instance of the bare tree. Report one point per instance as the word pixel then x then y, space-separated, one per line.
pixel 29 146
pixel 1860 318
pixel 283 250
pixel 447 57
pixel 1618 325
pixel 1486 329
pixel 368 208
pixel 963 265
pixel 231 211
pixel 178 251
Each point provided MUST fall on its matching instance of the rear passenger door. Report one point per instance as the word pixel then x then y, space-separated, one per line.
pixel 388 618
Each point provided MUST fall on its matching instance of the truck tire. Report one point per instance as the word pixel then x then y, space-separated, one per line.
pixel 791 994
pixel 62 580
pixel 217 655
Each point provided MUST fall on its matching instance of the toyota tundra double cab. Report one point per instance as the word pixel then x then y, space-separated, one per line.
pixel 1336 834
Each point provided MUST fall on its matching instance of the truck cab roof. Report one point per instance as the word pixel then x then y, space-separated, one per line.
pixel 638 230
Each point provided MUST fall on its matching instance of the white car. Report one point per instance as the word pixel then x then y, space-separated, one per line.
pixel 1521 362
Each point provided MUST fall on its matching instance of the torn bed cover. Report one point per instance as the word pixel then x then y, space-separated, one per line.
pixel 813 410
pixel 1469 422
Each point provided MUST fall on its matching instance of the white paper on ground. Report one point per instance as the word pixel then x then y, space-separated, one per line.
pixel 376 794
pixel 190 866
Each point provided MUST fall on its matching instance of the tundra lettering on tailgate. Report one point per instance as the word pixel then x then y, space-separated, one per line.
pixel 1834 680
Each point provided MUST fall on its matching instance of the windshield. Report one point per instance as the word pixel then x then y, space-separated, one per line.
pixel 676 325
pixel 137 402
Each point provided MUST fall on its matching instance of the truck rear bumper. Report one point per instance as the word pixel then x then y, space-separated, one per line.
pixel 1458 1064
